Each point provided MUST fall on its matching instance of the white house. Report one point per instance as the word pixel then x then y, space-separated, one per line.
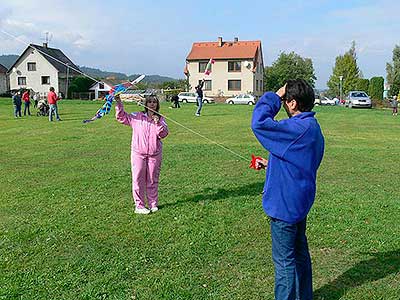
pixel 40 67
pixel 100 89
pixel 3 79
pixel 238 67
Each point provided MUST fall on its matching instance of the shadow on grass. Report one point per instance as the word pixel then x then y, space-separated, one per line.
pixel 382 265
pixel 253 189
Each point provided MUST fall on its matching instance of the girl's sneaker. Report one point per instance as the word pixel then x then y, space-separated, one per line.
pixel 142 211
pixel 154 209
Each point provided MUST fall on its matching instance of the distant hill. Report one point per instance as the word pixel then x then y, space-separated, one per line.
pixel 97 73
pixel 8 60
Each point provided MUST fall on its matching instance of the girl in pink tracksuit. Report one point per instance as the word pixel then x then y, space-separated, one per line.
pixel 148 130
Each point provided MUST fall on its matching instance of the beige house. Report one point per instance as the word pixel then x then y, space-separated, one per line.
pixel 40 67
pixel 238 67
pixel 3 79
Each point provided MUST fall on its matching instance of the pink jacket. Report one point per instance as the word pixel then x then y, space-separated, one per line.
pixel 146 134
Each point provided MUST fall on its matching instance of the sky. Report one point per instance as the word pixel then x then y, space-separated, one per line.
pixel 154 38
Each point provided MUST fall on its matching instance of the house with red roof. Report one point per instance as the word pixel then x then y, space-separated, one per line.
pixel 238 67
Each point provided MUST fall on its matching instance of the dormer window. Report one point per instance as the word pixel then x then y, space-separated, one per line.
pixel 31 66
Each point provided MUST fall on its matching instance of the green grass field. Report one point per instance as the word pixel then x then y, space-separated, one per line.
pixel 68 231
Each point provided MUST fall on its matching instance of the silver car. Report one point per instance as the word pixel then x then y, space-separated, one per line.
pixel 358 99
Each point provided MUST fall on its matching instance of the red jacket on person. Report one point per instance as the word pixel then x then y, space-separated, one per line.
pixel 25 97
pixel 52 98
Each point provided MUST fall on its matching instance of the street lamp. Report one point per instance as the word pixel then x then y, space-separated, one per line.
pixel 340 87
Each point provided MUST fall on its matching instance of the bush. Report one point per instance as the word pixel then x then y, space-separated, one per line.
pixel 376 88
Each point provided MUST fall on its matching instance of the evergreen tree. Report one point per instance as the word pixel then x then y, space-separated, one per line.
pixel 393 72
pixel 288 66
pixel 362 84
pixel 376 86
pixel 346 66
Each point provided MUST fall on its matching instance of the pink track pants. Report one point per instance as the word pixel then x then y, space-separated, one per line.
pixel 145 174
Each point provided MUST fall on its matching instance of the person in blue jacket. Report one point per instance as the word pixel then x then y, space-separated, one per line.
pixel 296 148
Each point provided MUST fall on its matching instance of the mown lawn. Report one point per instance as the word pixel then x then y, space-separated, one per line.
pixel 68 231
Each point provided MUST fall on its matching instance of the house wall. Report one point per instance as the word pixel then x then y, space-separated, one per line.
pixel 259 75
pixel 34 78
pixel 98 91
pixel 3 83
pixel 220 76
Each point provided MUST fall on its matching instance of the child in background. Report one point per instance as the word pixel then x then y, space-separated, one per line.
pixel 146 151
pixel 395 105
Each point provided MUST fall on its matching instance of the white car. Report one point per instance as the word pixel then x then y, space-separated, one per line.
pixel 327 101
pixel 189 97
pixel 242 99
pixel 358 99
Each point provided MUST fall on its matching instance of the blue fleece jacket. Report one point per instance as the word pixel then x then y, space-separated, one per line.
pixel 296 147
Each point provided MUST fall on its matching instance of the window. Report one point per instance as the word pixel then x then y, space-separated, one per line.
pixel 45 79
pixel 202 66
pixel 31 66
pixel 256 84
pixel 101 86
pixel 21 80
pixel 234 66
pixel 234 85
pixel 207 85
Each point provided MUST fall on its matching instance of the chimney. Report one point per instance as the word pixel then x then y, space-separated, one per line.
pixel 220 41
pixel 236 39
pixel 45 45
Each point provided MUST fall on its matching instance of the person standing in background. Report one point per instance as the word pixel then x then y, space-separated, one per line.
pixel 27 101
pixel 52 99
pixel 17 102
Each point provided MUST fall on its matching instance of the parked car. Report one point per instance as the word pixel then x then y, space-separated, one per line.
pixel 358 99
pixel 242 99
pixel 327 101
pixel 189 97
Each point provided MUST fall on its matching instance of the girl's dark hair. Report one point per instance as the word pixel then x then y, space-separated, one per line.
pixel 151 97
pixel 302 92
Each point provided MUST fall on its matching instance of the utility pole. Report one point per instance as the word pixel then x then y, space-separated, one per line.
pixel 66 87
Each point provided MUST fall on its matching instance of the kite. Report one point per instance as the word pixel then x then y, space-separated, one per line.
pixel 115 90
pixel 208 67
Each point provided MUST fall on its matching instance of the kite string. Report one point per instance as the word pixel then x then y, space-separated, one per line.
pixel 168 118
pixel 194 132
pixel 46 54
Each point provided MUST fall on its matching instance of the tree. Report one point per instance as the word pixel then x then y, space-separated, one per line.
pixel 80 84
pixel 376 88
pixel 288 66
pixel 362 84
pixel 393 72
pixel 346 66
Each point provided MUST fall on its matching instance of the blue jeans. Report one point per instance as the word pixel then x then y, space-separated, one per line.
pixel 293 275
pixel 53 108
pixel 17 110
pixel 200 105
pixel 26 107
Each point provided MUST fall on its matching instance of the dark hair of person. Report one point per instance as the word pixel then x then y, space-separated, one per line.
pixel 51 89
pixel 151 97
pixel 302 92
